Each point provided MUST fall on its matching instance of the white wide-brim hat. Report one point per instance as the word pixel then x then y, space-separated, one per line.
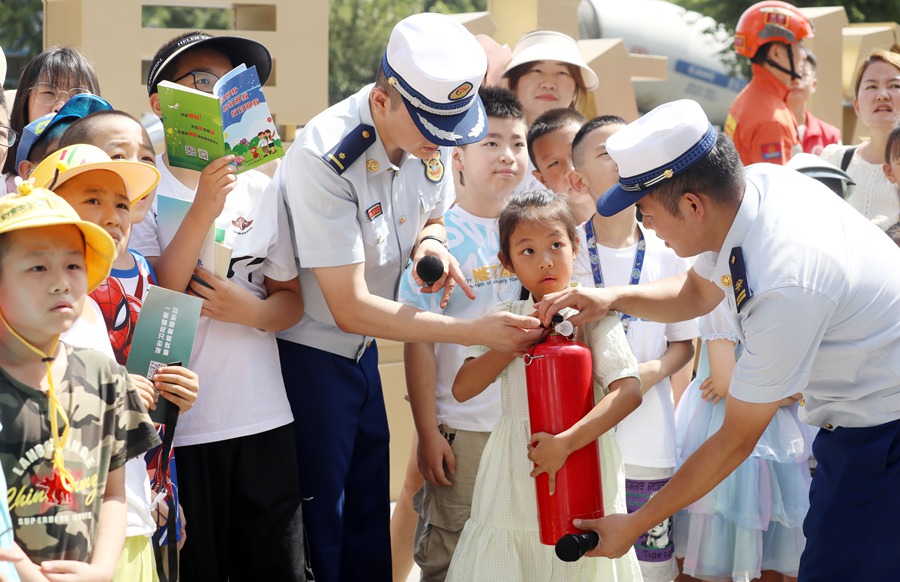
pixel 549 45
pixel 658 146
pixel 437 66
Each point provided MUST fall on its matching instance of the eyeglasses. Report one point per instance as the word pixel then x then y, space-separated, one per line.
pixel 47 94
pixel 203 80
pixel 8 136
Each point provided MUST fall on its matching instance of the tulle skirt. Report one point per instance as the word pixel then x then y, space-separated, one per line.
pixel 752 521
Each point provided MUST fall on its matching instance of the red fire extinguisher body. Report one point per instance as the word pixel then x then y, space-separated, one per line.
pixel 560 393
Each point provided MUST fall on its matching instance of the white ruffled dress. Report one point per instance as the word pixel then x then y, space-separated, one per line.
pixel 501 539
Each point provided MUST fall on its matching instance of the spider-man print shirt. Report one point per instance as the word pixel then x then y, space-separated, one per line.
pixel 120 298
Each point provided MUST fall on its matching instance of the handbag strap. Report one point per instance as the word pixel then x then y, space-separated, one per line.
pixel 848 155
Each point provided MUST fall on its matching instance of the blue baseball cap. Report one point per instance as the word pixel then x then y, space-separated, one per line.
pixel 662 144
pixel 78 107
pixel 30 134
pixel 438 66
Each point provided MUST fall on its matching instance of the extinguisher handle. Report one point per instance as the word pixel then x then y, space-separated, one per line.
pixel 571 547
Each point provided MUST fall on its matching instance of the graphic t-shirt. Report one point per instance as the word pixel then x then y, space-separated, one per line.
pixel 108 426
pixel 120 298
pixel 243 391
pixel 474 241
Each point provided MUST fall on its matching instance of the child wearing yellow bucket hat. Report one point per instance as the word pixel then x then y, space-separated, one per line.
pixel 69 420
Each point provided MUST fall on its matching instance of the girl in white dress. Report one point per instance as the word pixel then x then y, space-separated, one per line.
pixel 501 539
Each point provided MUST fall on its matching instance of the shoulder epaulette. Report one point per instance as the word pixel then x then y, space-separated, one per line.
pixel 351 146
pixel 741 287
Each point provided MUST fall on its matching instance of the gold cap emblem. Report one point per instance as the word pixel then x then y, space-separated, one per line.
pixel 460 91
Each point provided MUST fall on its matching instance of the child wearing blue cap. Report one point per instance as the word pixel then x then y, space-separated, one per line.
pixel 42 135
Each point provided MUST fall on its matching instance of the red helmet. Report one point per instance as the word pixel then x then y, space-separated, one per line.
pixel 770 21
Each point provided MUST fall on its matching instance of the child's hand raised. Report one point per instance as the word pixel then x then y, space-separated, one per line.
pixel 548 452
pixel 178 385
pixel 216 181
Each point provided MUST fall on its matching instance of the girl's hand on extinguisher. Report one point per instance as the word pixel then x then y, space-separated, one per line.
pixel 548 452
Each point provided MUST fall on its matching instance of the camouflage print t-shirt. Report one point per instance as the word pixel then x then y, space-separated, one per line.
pixel 108 427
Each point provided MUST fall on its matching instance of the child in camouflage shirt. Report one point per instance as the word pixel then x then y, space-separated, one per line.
pixel 70 417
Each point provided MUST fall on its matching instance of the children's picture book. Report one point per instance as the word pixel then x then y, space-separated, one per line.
pixel 215 255
pixel 164 334
pixel 233 119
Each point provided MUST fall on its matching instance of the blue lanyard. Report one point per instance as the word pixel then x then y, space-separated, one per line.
pixel 598 271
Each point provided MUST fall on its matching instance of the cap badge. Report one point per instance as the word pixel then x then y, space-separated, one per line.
pixel 460 92
pixel 372 165
pixel 434 168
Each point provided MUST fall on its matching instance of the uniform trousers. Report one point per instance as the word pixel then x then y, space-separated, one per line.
pixel 854 508
pixel 340 424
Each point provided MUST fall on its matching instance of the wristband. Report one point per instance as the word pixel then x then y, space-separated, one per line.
pixel 435 238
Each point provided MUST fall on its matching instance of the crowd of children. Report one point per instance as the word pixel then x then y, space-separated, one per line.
pixel 279 464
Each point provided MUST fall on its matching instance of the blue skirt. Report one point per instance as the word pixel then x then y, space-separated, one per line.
pixel 752 521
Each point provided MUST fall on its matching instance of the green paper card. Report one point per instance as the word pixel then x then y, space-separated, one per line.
pixel 164 334
pixel 215 256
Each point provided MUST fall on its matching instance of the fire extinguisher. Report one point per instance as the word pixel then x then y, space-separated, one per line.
pixel 560 393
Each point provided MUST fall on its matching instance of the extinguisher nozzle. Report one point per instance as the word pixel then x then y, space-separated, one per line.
pixel 571 547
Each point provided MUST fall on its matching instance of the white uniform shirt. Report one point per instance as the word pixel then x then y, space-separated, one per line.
pixel 372 212
pixel 824 318
pixel 647 435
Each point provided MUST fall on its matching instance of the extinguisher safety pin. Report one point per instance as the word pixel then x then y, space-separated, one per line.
pixel 527 358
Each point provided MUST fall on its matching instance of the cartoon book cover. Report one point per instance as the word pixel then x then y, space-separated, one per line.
pixel 234 119
pixel 164 334
pixel 214 256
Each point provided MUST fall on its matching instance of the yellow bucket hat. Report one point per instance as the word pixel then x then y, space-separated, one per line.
pixel 139 178
pixel 35 207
